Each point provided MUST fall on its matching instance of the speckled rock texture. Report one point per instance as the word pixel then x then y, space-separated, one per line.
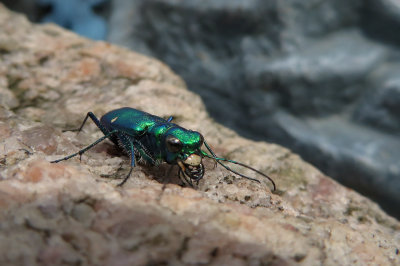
pixel 72 213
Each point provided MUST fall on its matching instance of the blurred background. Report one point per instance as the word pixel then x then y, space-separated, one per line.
pixel 320 77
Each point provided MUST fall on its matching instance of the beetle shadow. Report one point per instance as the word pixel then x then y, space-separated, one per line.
pixel 163 173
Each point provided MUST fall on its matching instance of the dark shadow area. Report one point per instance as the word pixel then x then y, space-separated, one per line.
pixel 379 24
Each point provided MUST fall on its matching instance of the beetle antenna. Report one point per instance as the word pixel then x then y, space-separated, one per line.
pixel 218 160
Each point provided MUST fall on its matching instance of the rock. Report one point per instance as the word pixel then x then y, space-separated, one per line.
pixel 379 107
pixel 73 212
pixel 260 64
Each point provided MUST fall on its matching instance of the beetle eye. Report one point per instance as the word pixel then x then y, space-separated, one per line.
pixel 173 144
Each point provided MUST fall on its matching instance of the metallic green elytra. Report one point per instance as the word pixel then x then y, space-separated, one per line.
pixel 154 140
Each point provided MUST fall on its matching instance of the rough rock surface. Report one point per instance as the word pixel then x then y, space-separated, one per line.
pixel 318 76
pixel 73 213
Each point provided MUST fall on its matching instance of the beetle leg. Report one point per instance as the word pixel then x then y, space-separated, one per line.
pixel 126 178
pixel 181 174
pixel 95 120
pixel 144 152
pixel 132 157
pixel 86 148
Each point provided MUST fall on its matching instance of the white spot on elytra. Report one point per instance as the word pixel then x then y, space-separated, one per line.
pixel 113 120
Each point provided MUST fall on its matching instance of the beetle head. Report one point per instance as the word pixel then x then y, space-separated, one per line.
pixel 183 148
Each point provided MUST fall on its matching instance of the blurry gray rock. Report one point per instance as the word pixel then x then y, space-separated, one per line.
pixel 380 106
pixel 318 76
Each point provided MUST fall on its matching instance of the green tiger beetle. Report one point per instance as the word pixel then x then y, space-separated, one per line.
pixel 154 140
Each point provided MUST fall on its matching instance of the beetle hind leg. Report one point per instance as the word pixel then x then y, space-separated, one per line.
pixel 82 151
